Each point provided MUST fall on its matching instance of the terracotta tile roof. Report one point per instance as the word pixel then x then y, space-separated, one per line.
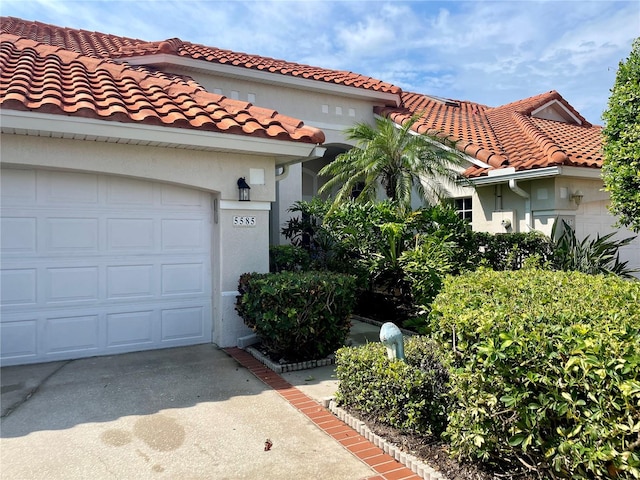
pixel 501 137
pixel 505 136
pixel 49 79
pixel 107 46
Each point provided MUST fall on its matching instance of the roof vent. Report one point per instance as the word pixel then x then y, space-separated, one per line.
pixel 447 101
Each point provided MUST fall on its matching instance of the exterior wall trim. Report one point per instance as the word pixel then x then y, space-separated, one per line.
pixel 522 175
pixel 37 124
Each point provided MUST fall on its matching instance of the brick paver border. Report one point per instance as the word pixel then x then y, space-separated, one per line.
pixel 386 466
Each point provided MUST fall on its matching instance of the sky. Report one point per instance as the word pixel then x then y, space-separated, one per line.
pixel 489 52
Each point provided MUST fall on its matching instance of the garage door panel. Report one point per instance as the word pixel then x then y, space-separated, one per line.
pixel 95 265
pixel 128 281
pixel 72 234
pixel 19 339
pixel 18 234
pixel 72 284
pixel 182 323
pixel 71 334
pixel 18 187
pixel 182 234
pixel 182 278
pixel 18 286
pixel 130 234
pixel 128 191
pixel 130 329
pixel 69 188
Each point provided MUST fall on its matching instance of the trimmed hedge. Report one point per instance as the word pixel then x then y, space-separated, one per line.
pixel 546 370
pixel 410 396
pixel 288 258
pixel 298 316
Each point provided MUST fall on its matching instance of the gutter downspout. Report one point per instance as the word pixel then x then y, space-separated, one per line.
pixel 513 185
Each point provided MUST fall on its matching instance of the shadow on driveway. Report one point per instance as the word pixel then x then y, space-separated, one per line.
pixel 59 395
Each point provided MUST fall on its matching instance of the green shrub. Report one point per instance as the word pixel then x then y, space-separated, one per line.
pixel 510 251
pixel 298 315
pixel 288 258
pixel 546 370
pixel 410 396
pixel 425 267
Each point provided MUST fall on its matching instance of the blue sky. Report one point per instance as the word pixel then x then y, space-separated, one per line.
pixel 491 52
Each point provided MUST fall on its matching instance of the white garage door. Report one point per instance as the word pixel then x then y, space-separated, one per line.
pixel 96 265
pixel 596 220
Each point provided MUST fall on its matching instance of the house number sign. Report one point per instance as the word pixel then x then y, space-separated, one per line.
pixel 244 221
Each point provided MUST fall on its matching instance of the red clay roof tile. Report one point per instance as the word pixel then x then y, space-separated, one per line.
pixel 52 80
pixel 61 58
pixel 505 136
pixel 112 47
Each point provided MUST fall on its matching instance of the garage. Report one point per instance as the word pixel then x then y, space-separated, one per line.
pixel 96 264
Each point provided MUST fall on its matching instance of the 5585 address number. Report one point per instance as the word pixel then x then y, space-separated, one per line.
pixel 244 221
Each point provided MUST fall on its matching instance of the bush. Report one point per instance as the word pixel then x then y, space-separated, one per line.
pixel 288 258
pixel 546 370
pixel 298 316
pixel 621 136
pixel 425 266
pixel 599 255
pixel 410 396
pixel 510 251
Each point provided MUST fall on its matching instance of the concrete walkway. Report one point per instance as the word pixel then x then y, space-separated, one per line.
pixel 192 412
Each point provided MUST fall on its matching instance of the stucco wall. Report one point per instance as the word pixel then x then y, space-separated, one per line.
pixel 323 110
pixel 212 171
pixel 550 199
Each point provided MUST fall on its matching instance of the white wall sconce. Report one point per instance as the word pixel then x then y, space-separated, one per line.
pixel 243 190
pixel 577 197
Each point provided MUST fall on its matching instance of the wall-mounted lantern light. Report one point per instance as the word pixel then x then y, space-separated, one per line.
pixel 243 190
pixel 577 197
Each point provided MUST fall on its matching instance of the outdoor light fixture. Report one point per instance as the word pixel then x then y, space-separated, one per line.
pixel 577 197
pixel 243 190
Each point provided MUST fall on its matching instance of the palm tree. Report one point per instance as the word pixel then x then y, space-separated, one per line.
pixel 396 158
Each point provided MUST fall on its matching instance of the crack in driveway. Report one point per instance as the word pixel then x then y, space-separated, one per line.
pixel 12 408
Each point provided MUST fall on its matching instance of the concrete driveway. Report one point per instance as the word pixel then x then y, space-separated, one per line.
pixel 184 413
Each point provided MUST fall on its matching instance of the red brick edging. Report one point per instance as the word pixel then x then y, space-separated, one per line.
pixel 385 465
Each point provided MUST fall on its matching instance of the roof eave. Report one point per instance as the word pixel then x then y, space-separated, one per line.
pixel 61 126
pixel 503 175
pixel 233 71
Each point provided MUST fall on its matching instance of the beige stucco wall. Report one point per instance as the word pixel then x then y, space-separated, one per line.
pixel 330 113
pixel 339 111
pixel 550 198
pixel 235 250
pixel 212 171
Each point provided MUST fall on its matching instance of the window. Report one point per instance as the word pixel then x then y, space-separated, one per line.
pixel 357 190
pixel 463 208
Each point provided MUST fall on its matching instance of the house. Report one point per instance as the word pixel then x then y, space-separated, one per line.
pixel 122 225
pixel 122 228
pixel 531 162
